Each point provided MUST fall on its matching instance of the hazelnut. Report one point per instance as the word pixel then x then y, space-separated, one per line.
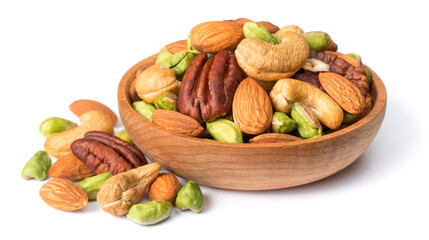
pixel 164 188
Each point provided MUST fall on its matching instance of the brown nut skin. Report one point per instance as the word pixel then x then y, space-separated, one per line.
pixel 215 36
pixel 271 27
pixel 99 157
pixel 208 86
pixel 63 194
pixel 164 188
pixel 264 61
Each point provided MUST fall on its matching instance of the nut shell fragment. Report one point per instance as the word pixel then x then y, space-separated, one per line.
pixel 123 190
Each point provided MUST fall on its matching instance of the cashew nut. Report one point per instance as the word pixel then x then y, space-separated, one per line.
pixel 288 91
pixel 265 61
pixel 58 144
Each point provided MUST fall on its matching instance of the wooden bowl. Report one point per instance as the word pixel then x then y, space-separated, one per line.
pixel 250 166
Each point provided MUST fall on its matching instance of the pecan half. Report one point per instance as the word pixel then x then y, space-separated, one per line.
pixel 337 65
pixel 208 86
pixel 107 153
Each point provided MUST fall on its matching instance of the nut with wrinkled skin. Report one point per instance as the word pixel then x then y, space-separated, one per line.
pixel 224 130
pixel 123 190
pixel 190 197
pixel 69 167
pixel 63 194
pixel 155 80
pixel 55 125
pixel 215 36
pixel 307 124
pixel 144 108
pixel 250 98
pixel 58 144
pixel 37 167
pixel 177 46
pixel 177 122
pixel 150 213
pixel 288 91
pixel 92 185
pixel 264 61
pixel 164 188
pixel 82 106
pixel 208 86
pixel 274 138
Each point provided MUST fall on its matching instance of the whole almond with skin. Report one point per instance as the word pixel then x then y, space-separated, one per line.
pixel 63 194
pixel 274 138
pixel 215 36
pixel 343 91
pixel 164 188
pixel 69 167
pixel 177 46
pixel 251 107
pixel 177 122
pixel 84 105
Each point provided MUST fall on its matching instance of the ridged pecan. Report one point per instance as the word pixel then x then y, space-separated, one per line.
pixel 208 86
pixel 337 65
pixel 107 153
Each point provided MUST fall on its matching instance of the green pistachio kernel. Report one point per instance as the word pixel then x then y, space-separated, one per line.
pixel 55 125
pixel 163 55
pixel 349 118
pixel 37 167
pixel 256 30
pixel 150 213
pixel 190 48
pixel 277 37
pixel 224 131
pixel 190 197
pixel 369 75
pixel 307 124
pixel 91 185
pixel 317 41
pixel 145 109
pixel 355 56
pixel 179 61
pixel 167 101
pixel 123 134
pixel 282 123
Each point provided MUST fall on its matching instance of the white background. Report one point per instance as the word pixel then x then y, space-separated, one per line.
pixel 55 52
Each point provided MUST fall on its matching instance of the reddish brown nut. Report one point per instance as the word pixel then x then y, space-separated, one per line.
pixel 164 188
pixel 208 86
pixel 271 27
pixel 133 93
pixel 181 45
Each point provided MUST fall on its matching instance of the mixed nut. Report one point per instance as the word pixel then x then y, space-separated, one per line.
pixel 238 80
pixel 94 165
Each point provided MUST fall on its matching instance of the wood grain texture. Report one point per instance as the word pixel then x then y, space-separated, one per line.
pixel 251 166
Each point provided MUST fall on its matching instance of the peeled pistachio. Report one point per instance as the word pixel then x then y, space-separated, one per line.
pixel 282 123
pixel 224 131
pixel 123 134
pixel 167 101
pixel 150 213
pixel 355 56
pixel 37 167
pixel 368 75
pixel 163 55
pixel 179 61
pixel 277 37
pixel 91 185
pixel 256 30
pixel 190 197
pixel 145 109
pixel 55 125
pixel 317 41
pixel 307 124
pixel 349 118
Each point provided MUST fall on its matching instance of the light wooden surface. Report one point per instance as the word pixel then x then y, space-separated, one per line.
pixel 251 166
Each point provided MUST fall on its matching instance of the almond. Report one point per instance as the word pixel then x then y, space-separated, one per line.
pixel 177 122
pixel 164 188
pixel 274 138
pixel 343 91
pixel 70 167
pixel 63 194
pixel 181 45
pixel 215 36
pixel 82 106
pixel 251 107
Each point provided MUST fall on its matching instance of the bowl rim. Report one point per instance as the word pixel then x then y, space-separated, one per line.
pixel 378 92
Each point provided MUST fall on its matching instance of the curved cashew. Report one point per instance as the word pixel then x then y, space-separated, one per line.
pixel 156 80
pixel 287 91
pixel 58 144
pixel 268 62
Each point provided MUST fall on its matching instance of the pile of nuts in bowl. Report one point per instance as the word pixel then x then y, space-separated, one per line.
pixel 241 81
pixel 93 164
